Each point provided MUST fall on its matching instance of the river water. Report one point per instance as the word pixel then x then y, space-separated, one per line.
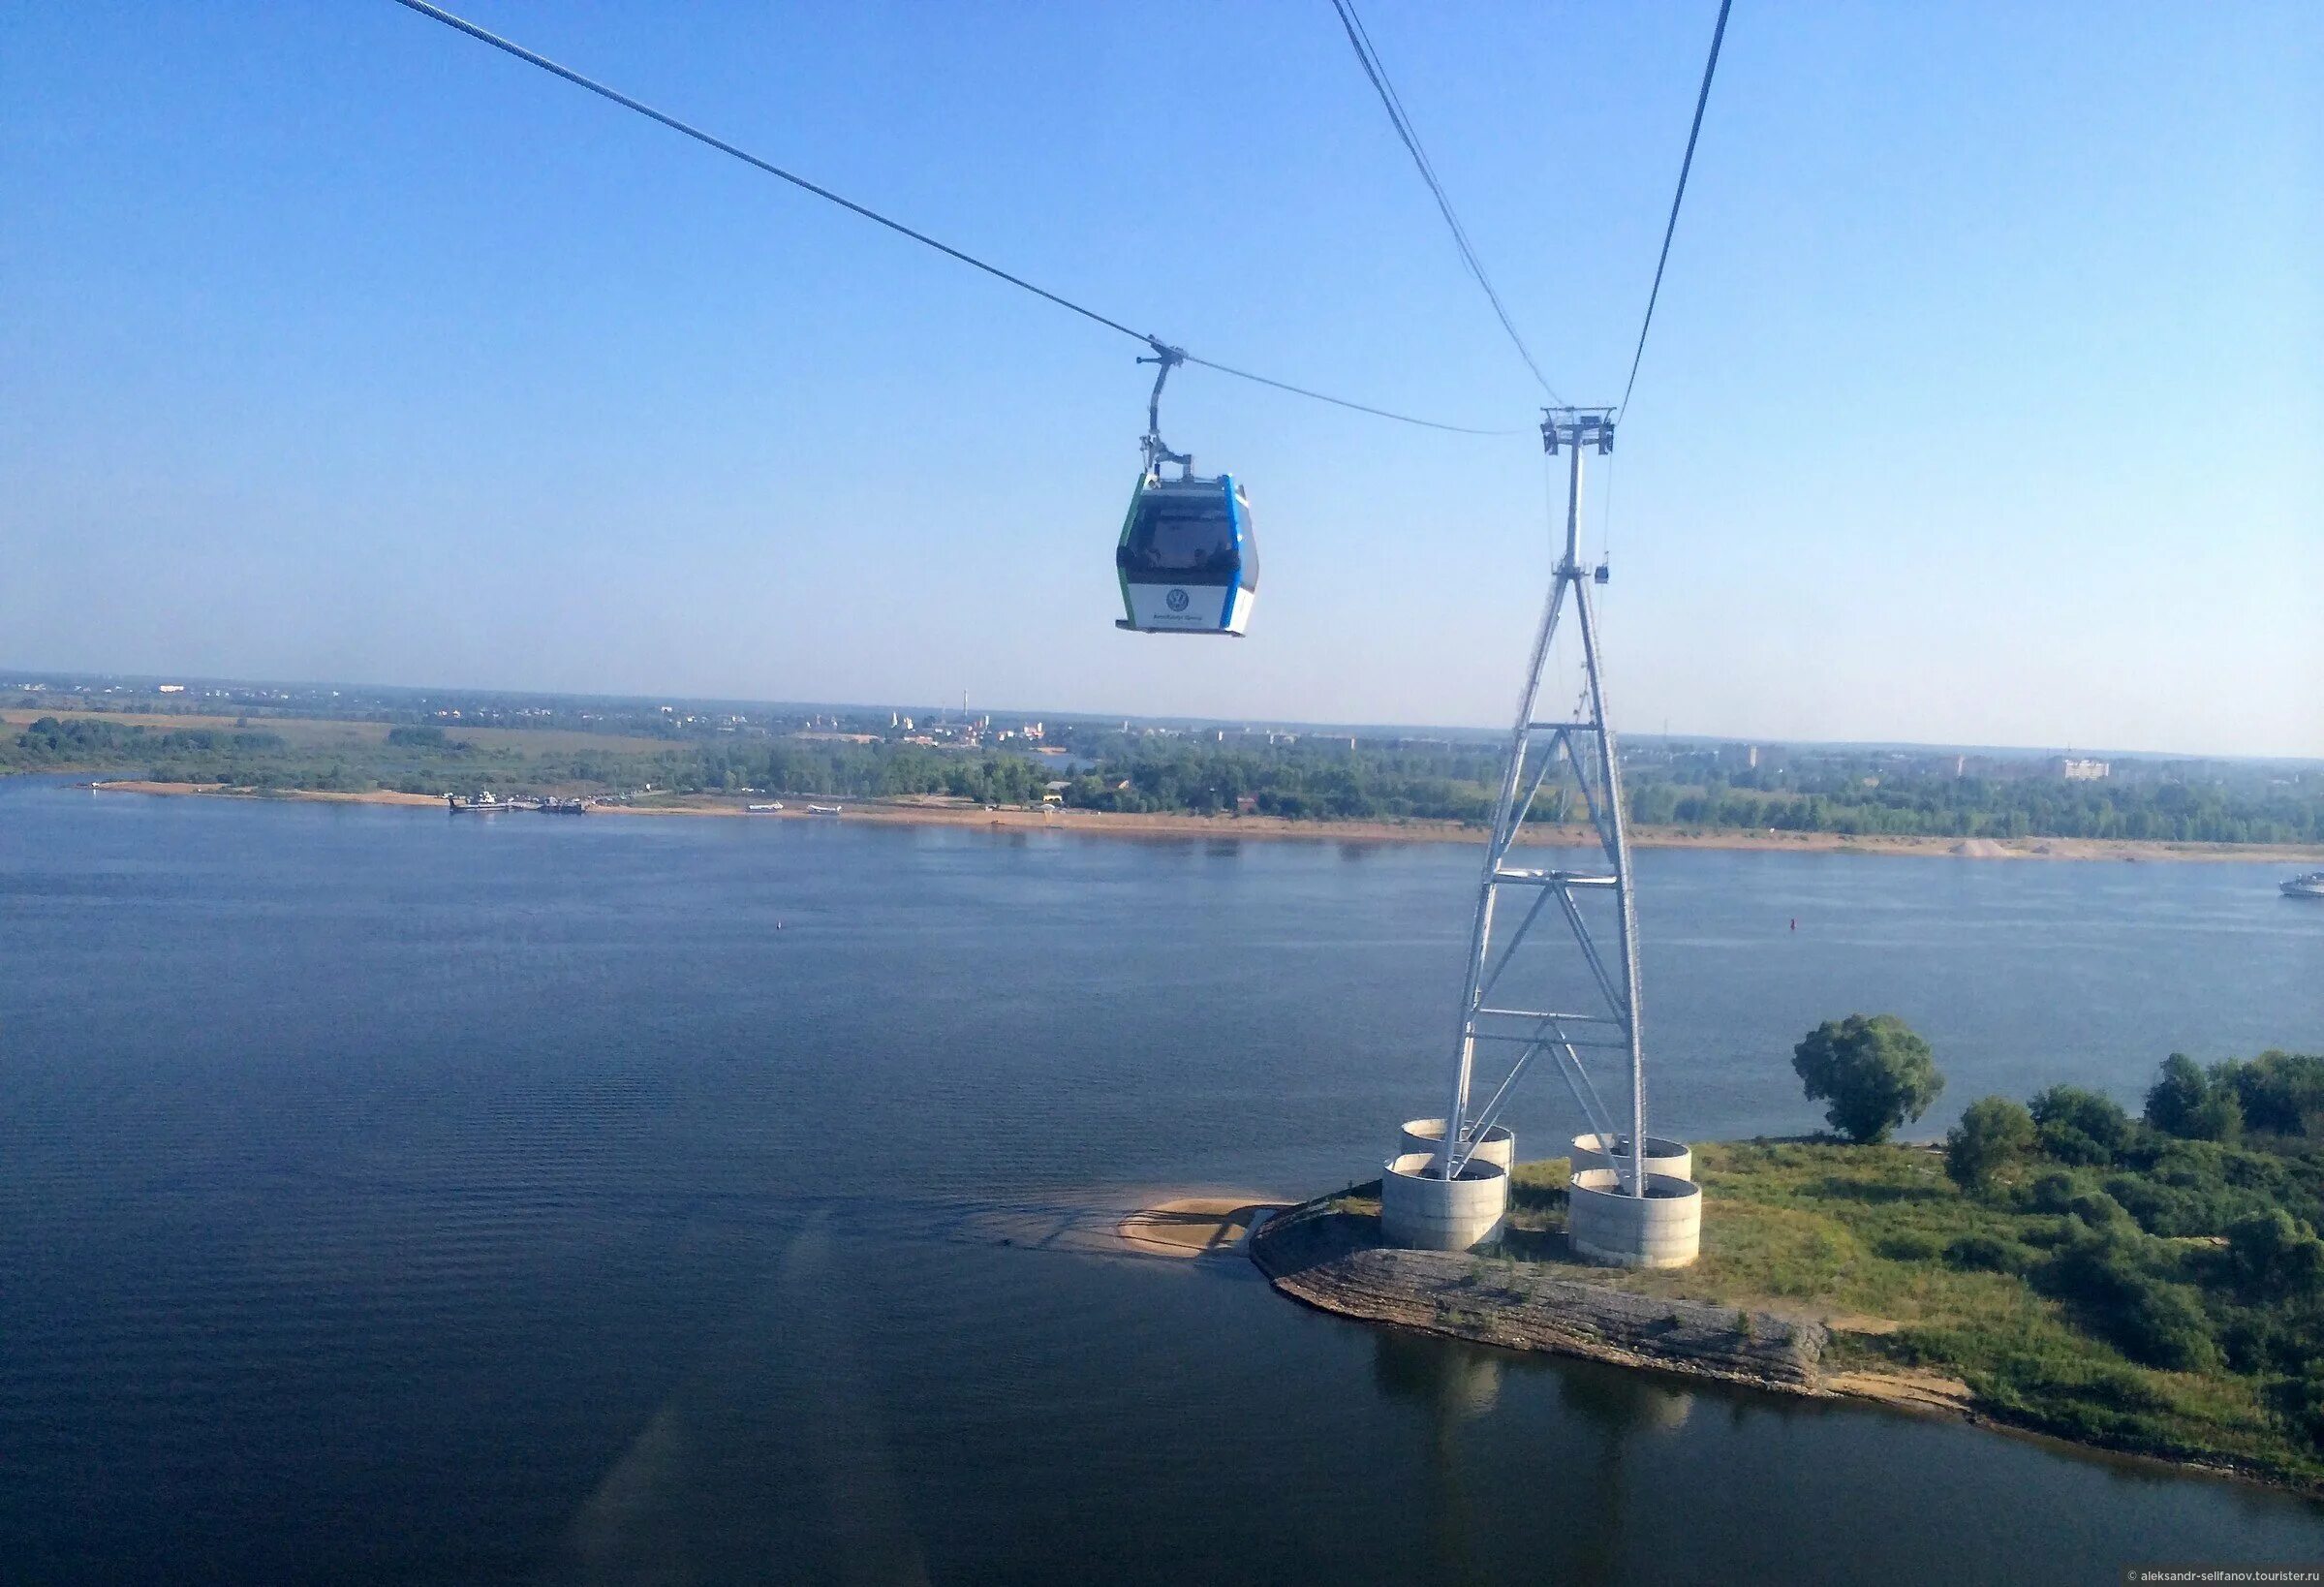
pixel 387 1197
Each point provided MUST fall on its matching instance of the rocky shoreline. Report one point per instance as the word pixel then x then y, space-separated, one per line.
pixel 1328 1259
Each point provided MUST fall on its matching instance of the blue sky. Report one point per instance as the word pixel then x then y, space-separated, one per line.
pixel 1983 403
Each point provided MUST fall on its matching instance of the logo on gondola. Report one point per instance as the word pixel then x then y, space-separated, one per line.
pixel 1176 600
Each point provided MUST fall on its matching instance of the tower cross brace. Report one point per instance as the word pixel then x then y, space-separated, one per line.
pixel 1584 746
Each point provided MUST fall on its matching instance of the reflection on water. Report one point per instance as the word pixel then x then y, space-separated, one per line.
pixel 1454 1383
pixel 1455 1380
pixel 1627 1402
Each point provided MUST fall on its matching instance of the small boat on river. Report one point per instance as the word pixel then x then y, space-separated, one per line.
pixel 2310 886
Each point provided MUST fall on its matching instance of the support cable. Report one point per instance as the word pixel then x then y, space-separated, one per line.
pixel 1368 58
pixel 1701 97
pixel 532 59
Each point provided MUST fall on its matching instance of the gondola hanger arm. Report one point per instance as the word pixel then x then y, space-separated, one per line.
pixel 1168 358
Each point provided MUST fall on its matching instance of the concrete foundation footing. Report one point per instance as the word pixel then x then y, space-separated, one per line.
pixel 1661 1229
pixel 1663 1155
pixel 1420 1212
pixel 1428 1136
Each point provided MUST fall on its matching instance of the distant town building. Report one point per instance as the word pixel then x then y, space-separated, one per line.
pixel 179 689
pixel 2079 772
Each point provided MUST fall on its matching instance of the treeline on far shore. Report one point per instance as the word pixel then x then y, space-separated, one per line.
pixel 1316 779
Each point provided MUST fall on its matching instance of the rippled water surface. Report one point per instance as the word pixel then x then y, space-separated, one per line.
pixel 388 1197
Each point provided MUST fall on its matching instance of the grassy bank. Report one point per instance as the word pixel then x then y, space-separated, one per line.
pixel 2045 1302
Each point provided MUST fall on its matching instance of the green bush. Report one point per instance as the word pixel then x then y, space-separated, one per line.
pixel 2273 1253
pixel 2162 1209
pixel 1994 1133
pixel 2150 1319
pixel 2164 1325
pixel 2301 1401
pixel 1906 1247
pixel 2098 1209
pixel 2053 1192
pixel 1987 1254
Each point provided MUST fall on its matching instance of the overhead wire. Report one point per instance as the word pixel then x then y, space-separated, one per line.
pixel 1343 402
pixel 1162 348
pixel 1366 56
pixel 1702 98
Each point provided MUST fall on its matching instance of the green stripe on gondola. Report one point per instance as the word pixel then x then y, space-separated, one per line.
pixel 1129 522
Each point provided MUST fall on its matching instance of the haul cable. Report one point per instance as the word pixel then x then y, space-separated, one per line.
pixel 1368 58
pixel 1160 347
pixel 1701 97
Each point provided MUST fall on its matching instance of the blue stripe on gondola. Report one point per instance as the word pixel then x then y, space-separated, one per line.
pixel 1234 525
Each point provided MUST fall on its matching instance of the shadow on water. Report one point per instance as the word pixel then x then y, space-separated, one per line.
pixel 715 1489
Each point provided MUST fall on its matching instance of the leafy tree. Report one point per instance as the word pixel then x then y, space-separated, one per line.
pixel 2079 1126
pixel 2184 1102
pixel 1993 1134
pixel 1875 1073
pixel 2281 1093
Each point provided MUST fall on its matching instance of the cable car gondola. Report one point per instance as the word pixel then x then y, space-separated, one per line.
pixel 1187 557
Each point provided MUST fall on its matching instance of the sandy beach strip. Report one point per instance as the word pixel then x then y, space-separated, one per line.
pixel 1277 828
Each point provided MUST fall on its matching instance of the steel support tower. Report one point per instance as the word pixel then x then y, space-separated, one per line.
pixel 1573 755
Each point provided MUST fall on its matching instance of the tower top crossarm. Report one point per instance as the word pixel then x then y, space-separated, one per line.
pixel 1571 429
pixel 1577 428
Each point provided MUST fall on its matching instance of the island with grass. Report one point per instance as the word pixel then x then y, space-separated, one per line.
pixel 2148 1285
